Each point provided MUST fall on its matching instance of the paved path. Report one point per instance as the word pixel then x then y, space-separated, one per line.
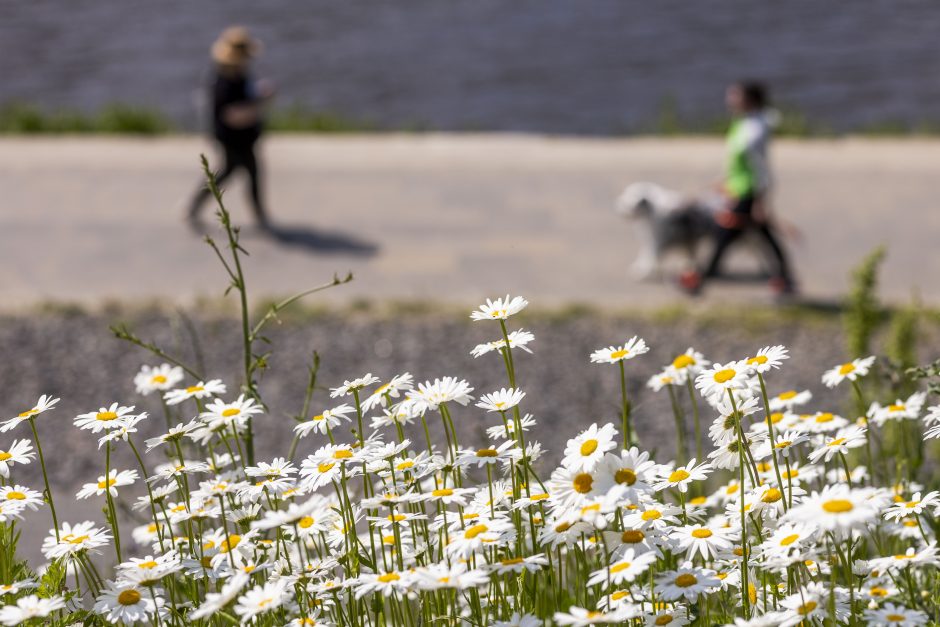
pixel 448 218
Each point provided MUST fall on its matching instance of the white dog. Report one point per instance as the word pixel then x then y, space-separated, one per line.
pixel 668 221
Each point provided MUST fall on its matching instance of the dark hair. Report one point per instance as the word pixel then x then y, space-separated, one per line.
pixel 755 94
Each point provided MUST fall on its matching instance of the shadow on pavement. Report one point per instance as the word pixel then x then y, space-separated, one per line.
pixel 322 242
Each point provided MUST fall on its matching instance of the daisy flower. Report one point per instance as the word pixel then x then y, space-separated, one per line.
pixel 175 434
pixel 790 399
pixel 428 396
pixel 573 488
pixel 73 539
pixel 676 616
pixel 115 480
pixel 632 470
pixel 17 586
pixel 580 617
pixel 203 389
pixel 383 394
pixel 850 370
pixel 915 506
pixel 485 456
pixel 687 365
pixel 22 495
pixel 891 615
pixel 20 452
pixel 628 567
pixel 700 539
pixel 844 440
pixel 322 423
pixel 261 599
pixel 529 563
pixel 499 309
pixel 810 605
pixel 586 451
pixel 717 380
pixel 517 339
pixel 30 607
pixel 158 379
pixel 615 354
pixel 126 603
pixel 687 583
pixel 219 413
pixel 836 508
pixel 45 403
pixel 682 476
pixel 519 620
pixel 508 431
pixel 215 601
pixel 658 381
pixel 788 540
pixel 353 385
pixel 899 410
pixel 484 532
pixel 767 358
pixel 501 401
pixel 105 418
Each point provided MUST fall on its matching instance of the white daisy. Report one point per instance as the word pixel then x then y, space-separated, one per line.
pixel 586 450
pixel 517 339
pixel 633 347
pixel 850 370
pixel 501 401
pixel 157 379
pixel 20 452
pixel 45 403
pixel 499 309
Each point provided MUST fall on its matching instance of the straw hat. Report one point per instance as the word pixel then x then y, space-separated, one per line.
pixel 235 46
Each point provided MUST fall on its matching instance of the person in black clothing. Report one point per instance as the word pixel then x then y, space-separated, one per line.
pixel 237 116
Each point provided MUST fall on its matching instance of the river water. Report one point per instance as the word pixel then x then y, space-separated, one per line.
pixel 561 66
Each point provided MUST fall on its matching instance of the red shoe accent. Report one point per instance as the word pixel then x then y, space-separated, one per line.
pixel 690 281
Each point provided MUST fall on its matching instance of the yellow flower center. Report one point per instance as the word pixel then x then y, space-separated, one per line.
pixel 772 495
pixel 838 506
pixel 683 361
pixel 487 452
pixel 685 580
pixel 157 379
pixel 702 533
pixel 4 456
pixel 836 442
pixel 389 577
pixel 28 413
pixel 442 492
pixel 895 618
pixel 194 388
pixel 783 444
pixel 806 608
pixel 625 476
pixel 583 483
pixel 230 543
pixel 790 539
pixel 878 592
pixel 825 417
pixel 619 594
pixel 616 568
pixel 663 619
pixel 342 454
pixel 632 536
pixel 846 368
pixel 512 562
pixel 757 361
pixel 396 517
pixel 231 411
pixel 723 376
pixel 588 447
pixel 785 396
pixel 73 539
pixel 405 465
pixel 147 565
pixel 106 484
pixel 698 500
pixel 475 530
pixel 678 475
pixel 619 354
pixel 325 467
pixel 562 527
pixel 651 514
pixel 306 522
pixel 13 495
pixel 106 416
pixel 129 597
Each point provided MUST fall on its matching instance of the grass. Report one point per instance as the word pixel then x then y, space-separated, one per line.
pixel 124 119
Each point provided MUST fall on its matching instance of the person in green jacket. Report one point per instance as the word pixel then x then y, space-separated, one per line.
pixel 747 186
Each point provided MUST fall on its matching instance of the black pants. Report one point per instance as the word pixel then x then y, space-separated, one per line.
pixel 236 156
pixel 743 209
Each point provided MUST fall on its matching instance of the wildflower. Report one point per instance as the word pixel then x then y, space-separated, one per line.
pixel 483 532
pixel 74 539
pixel 517 339
pixel 22 495
pixel 836 508
pixel 586 451
pixel 115 480
pixel 44 404
pixel 499 309
pixel 891 615
pixel 203 389
pixel 353 385
pixel 429 396
pixel 580 617
pixel 508 431
pixel 845 439
pixel 915 506
pixel 676 616
pixel 126 603
pixel 687 365
pixel 899 410
pixel 20 452
pixel 457 577
pixel 175 434
pixel 700 539
pixel 386 583
pixel 926 556
pixel 501 401
pixel 157 379
pixel 520 620
pixel 221 414
pixel 485 456
pixel 215 601
pixel 629 566
pixel 261 599
pixel 529 563
pixel 686 582
pixel 717 380
pixel 30 607
pixel 382 395
pixel 572 488
pixel 789 540
pixel 850 370
pixel 810 604
pixel 682 476
pixel 658 381
pixel 17 586
pixel 633 347
pixel 632 470
pixel 767 358
pixel 790 399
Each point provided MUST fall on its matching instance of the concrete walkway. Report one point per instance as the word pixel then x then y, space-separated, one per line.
pixel 440 217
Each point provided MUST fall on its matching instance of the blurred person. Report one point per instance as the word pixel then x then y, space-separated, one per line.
pixel 238 103
pixel 746 186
